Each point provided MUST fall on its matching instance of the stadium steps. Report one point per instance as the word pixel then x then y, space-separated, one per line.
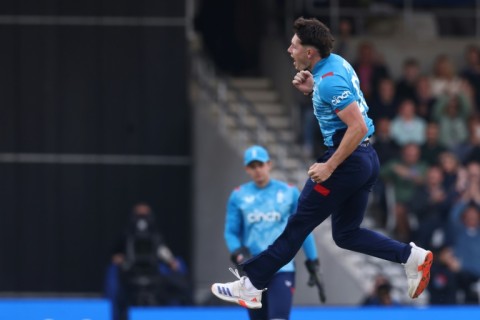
pixel 255 98
pixel 269 108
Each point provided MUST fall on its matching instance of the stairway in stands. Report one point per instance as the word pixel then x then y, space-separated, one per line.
pixel 266 122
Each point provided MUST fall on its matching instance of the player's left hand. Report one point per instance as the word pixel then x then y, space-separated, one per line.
pixel 320 172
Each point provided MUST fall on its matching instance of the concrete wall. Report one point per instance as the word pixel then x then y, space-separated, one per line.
pixel 217 171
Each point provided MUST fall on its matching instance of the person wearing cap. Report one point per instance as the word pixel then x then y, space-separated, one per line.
pixel 257 212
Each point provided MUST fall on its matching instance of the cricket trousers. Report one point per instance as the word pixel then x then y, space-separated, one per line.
pixel 344 196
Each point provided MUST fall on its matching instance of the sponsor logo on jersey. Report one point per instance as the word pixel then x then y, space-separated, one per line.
pixel 258 216
pixel 337 99
pixel 249 199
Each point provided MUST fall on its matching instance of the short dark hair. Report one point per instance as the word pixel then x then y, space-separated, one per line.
pixel 312 32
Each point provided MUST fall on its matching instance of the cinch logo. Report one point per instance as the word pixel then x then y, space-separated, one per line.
pixel 336 99
pixel 257 216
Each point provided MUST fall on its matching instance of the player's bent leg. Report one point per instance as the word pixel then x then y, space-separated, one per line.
pixel 347 233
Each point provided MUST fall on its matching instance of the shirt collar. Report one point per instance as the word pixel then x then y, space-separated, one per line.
pixel 320 64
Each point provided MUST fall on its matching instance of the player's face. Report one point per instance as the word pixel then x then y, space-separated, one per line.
pixel 299 54
pixel 259 172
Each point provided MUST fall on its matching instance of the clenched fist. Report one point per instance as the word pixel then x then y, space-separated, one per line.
pixel 303 81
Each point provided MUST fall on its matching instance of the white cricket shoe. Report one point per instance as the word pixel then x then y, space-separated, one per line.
pixel 237 292
pixel 417 269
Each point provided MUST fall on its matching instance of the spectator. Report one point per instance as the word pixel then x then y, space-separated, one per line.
pixel 471 72
pixel 385 104
pixel 343 39
pixel 443 284
pixel 381 293
pixel 451 168
pixel 430 205
pixel 469 150
pixel 445 80
pixel 387 150
pixel 404 175
pixel 424 99
pixel 370 69
pixel 468 182
pixel 383 143
pixel 432 148
pixel 407 127
pixel 406 85
pixel 452 112
pixel 465 221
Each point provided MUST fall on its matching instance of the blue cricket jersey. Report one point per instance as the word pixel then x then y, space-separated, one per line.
pixel 336 86
pixel 257 216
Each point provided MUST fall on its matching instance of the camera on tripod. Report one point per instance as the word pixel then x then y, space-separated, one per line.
pixel 142 256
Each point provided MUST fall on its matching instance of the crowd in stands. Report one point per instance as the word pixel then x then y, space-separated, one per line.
pixel 428 142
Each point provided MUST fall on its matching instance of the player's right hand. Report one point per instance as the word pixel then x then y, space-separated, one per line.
pixel 320 172
pixel 303 81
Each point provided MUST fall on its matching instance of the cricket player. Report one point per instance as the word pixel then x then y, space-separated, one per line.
pixel 340 181
pixel 257 213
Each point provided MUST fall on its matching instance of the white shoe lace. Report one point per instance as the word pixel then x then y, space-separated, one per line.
pixel 237 274
pixel 242 278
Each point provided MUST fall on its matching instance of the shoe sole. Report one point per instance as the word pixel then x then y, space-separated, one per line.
pixel 425 269
pixel 241 302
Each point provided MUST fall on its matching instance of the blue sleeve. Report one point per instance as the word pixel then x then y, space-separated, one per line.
pixel 336 92
pixel 233 224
